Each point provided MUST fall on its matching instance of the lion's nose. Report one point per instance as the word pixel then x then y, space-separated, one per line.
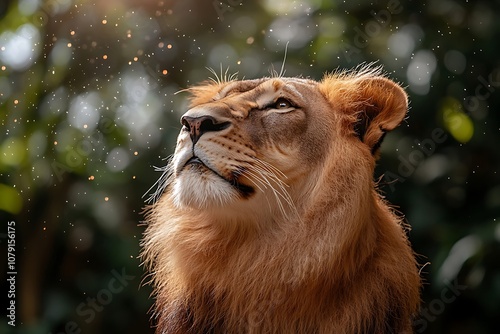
pixel 197 126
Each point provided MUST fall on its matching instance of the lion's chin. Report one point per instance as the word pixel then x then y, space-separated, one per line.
pixel 202 189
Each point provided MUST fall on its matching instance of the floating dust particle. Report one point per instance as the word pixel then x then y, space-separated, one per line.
pixel 69 45
pixel 136 153
pixel 72 33
pixel 136 59
pixel 161 45
pixel 104 21
pixel 169 46
pixel 165 72
pixel 91 178
pixel 106 198
pixel 16 101
pixel 4 68
pixel 105 57
pixel 85 126
pixel 55 142
pixel 133 177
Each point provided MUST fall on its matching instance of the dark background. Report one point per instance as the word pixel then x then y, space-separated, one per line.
pixel 87 109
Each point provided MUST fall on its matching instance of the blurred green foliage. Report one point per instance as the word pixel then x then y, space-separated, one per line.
pixel 87 108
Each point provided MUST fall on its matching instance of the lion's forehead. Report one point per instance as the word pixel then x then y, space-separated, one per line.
pixel 263 91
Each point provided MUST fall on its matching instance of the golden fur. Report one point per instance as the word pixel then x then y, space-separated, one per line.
pixel 278 227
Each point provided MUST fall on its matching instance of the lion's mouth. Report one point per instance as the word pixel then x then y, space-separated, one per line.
pixel 243 189
pixel 195 160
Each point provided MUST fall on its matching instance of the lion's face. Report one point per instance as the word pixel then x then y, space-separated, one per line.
pixel 245 139
pixel 255 144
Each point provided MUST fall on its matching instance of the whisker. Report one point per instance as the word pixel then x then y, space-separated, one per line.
pixel 282 72
pixel 273 172
pixel 272 72
pixel 182 91
pixel 281 185
pixel 269 167
pixel 162 182
pixel 276 193
pixel 217 80
pixel 233 76
pixel 225 73
pixel 256 180
pixel 223 77
pixel 267 174
pixel 259 179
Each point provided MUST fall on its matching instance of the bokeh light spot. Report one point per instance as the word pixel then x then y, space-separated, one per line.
pixel 456 122
pixel 10 200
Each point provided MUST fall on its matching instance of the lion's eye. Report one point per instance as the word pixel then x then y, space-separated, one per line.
pixel 282 103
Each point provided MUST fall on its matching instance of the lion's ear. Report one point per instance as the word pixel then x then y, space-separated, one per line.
pixel 383 107
pixel 372 104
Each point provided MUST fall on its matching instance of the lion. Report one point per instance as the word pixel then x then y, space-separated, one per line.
pixel 270 220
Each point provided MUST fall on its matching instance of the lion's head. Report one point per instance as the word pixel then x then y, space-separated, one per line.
pixel 257 145
pixel 271 188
